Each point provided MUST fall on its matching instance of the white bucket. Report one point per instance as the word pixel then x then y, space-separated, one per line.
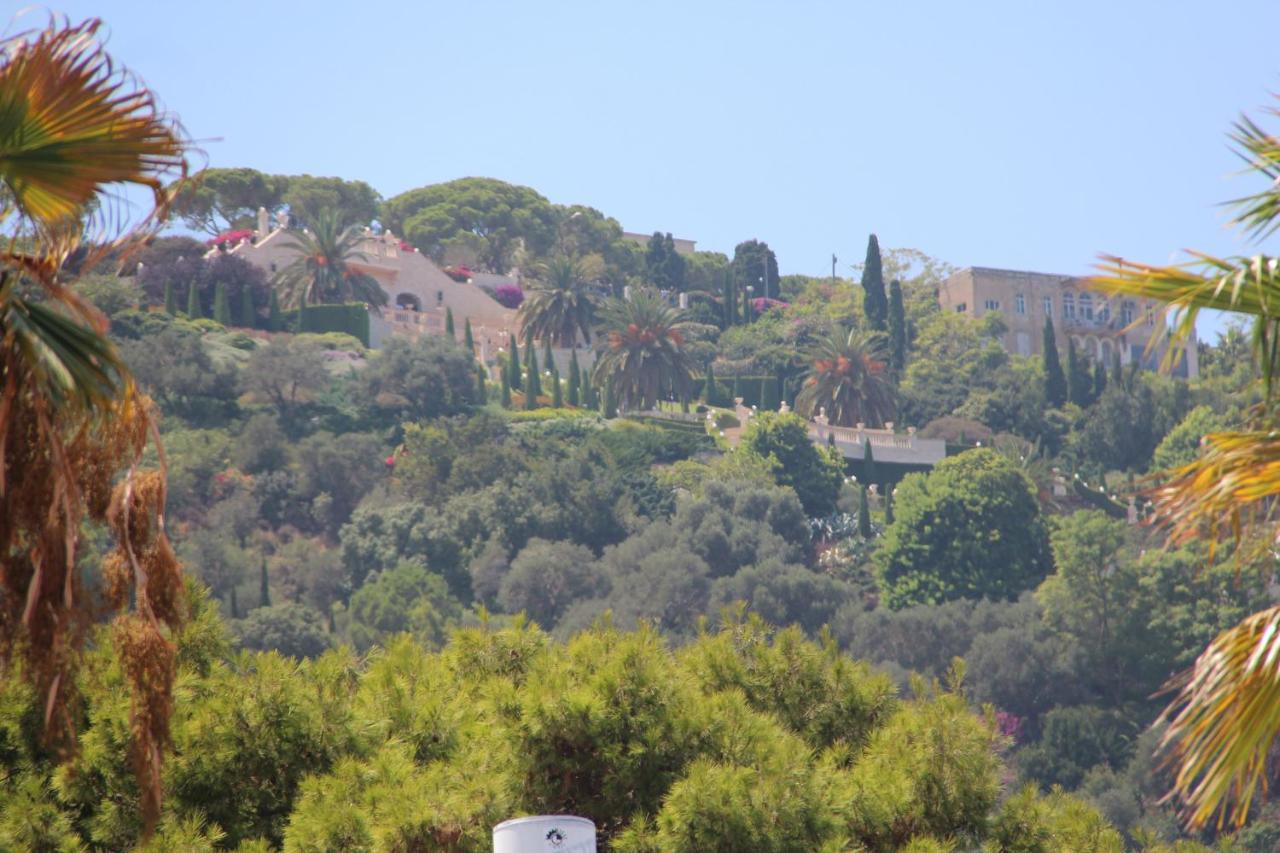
pixel 545 834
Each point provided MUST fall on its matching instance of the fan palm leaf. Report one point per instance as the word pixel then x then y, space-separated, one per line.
pixel 322 272
pixel 643 356
pixel 1225 716
pixel 848 379
pixel 560 305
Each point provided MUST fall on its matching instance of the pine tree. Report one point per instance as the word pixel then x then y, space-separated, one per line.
pixel 864 514
pixel 1055 383
pixel 575 380
pixel 248 317
pixel 482 393
pixel 448 325
pixel 170 299
pixel 506 391
pixel 468 340
pixel 221 307
pixel 897 328
pixel 1079 383
pixel 1099 380
pixel 273 315
pixel 193 303
pixel 264 589
pixel 557 395
pixel 875 305
pixel 513 363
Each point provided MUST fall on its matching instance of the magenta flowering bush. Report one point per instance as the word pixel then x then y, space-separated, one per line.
pixel 508 295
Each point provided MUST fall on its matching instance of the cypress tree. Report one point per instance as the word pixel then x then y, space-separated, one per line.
pixel 506 389
pixel 448 325
pixel 557 395
pixel 710 393
pixel 548 360
pixel 1079 383
pixel 831 439
pixel 532 379
pixel 221 307
pixel 869 472
pixel 888 505
pixel 874 303
pixel 273 316
pixel 513 362
pixel 170 299
pixel 575 380
pixel 468 340
pixel 864 514
pixel 590 399
pixel 1055 383
pixel 1099 380
pixel 248 317
pixel 897 328
pixel 1117 371
pixel 193 302
pixel 264 589
pixel 482 393
pixel 610 407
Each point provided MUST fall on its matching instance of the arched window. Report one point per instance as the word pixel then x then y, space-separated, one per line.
pixel 1069 306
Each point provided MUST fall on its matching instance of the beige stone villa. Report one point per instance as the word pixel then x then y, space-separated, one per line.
pixel 1099 326
pixel 418 292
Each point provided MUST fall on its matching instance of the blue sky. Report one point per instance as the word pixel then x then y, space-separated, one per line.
pixel 1028 135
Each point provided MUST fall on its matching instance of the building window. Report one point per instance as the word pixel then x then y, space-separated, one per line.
pixel 1068 306
pixel 439 297
pixel 962 307
pixel 992 304
pixel 1151 317
pixel 1126 311
pixel 1104 312
pixel 1086 307
pixel 1024 343
pixel 1048 307
pixel 1020 304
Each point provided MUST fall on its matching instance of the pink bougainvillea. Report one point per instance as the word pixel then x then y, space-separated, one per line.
pixel 508 295
pixel 232 237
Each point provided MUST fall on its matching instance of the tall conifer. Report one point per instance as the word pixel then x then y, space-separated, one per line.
pixel 875 305
pixel 1079 382
pixel 193 302
pixel 273 312
pixel 897 328
pixel 575 380
pixel 513 362
pixel 557 394
pixel 1055 382
pixel 468 340
pixel 264 588
pixel 864 514
pixel 448 325
pixel 221 307
pixel 482 393
pixel 170 299
pixel 248 317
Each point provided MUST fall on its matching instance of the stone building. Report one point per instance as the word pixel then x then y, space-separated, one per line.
pixel 1099 325
pixel 418 292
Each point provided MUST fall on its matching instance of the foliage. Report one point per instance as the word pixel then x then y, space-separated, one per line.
pixel 1181 445
pixel 293 630
pixel 423 378
pixel 482 215
pixel 848 379
pixel 644 358
pixel 875 306
pixel 404 599
pixel 969 528
pixel 561 304
pixel 815 473
pixel 322 272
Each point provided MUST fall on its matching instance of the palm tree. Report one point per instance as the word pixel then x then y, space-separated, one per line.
pixel 322 271
pixel 643 354
pixel 1225 717
pixel 848 378
pixel 560 303
pixel 76 129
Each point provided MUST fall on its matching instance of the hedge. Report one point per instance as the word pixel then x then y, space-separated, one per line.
pixel 351 318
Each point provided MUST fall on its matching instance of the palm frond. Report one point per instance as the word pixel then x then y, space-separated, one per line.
pixel 72 123
pixel 1225 720
pixel 1258 214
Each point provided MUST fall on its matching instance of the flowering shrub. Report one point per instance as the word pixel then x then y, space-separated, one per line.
pixel 508 295
pixel 762 304
pixel 232 237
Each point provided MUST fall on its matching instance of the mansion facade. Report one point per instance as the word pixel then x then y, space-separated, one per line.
pixel 1100 326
